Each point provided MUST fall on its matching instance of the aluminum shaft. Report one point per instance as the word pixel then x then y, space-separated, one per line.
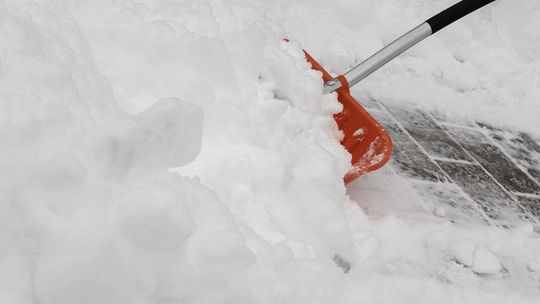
pixel 380 58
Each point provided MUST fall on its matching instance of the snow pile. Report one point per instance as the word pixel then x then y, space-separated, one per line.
pixel 90 213
pixel 484 67
pixel 101 98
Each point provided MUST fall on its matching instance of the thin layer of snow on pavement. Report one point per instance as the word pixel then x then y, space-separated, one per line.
pixel 100 99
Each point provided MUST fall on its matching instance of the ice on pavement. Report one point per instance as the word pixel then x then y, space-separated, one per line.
pixel 101 99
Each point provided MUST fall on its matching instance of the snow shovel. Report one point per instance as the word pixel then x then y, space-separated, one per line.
pixel 366 140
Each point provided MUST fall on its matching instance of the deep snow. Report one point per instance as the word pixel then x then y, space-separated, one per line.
pixel 100 98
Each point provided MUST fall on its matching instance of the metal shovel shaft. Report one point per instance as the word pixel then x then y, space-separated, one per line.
pixel 405 42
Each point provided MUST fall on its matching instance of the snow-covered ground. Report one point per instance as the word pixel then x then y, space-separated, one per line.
pixel 100 99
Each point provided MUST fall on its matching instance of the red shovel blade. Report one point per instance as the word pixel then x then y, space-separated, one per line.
pixel 366 140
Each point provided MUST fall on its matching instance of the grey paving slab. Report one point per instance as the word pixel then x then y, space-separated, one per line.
pixel 480 187
pixel 535 173
pixel 503 169
pixel 522 148
pixel 530 205
pixel 429 134
pixel 476 172
pixel 408 158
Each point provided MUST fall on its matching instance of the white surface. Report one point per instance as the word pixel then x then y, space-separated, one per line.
pixel 100 97
pixel 485 262
pixel 439 211
pixel 464 252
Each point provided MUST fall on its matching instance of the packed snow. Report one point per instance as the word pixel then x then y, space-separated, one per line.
pixel 439 211
pixel 181 152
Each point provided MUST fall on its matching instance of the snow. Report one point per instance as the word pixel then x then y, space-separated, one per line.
pixel 359 133
pixel 534 266
pixel 485 262
pixel 182 152
pixel 480 259
pixel 464 252
pixel 439 211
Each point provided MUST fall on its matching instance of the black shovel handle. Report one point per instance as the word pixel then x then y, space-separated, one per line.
pixel 454 13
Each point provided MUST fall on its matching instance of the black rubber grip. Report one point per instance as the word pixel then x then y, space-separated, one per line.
pixel 455 12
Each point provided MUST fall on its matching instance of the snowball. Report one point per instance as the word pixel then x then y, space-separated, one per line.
pixel 463 252
pixel 481 260
pixel 439 211
pixel 485 262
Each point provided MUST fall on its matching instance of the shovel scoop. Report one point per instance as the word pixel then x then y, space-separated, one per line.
pixel 367 141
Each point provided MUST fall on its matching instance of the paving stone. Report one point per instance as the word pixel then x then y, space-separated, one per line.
pixel 428 134
pixel 480 187
pixel 524 150
pixel 458 207
pixel 495 161
pixel 408 158
pixel 535 173
pixel 530 205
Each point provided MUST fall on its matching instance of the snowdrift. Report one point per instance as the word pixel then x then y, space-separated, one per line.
pixel 100 99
